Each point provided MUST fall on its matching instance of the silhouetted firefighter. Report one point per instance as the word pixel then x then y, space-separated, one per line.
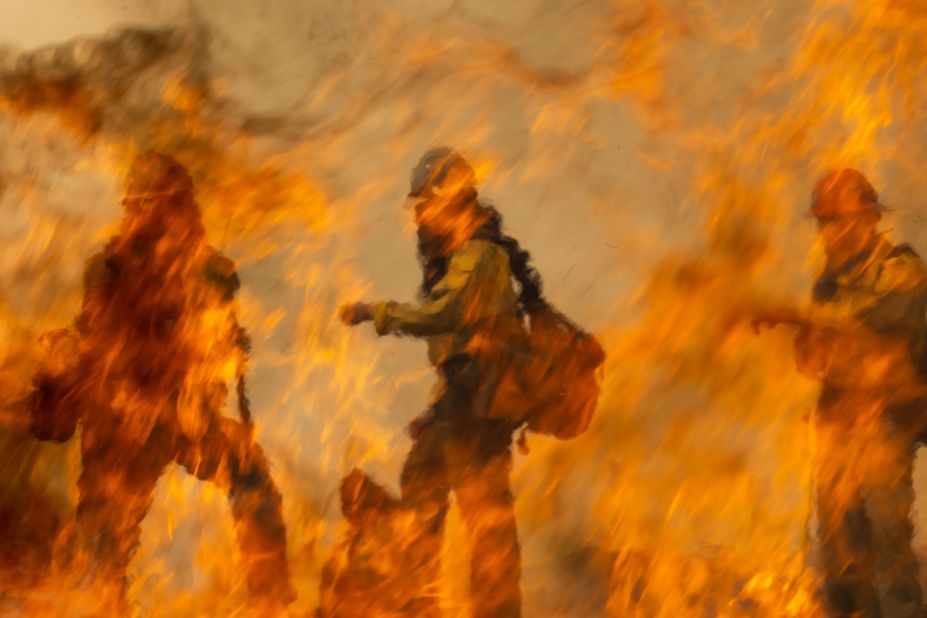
pixel 145 370
pixel 479 295
pixel 863 340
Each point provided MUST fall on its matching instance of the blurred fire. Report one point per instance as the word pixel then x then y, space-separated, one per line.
pixel 691 493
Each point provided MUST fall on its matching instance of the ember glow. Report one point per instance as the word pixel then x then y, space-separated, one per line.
pixel 656 158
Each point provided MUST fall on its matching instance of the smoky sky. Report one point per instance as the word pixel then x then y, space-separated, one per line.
pixel 655 158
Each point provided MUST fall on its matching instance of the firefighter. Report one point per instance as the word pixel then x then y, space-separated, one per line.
pixel 863 341
pixel 468 312
pixel 145 370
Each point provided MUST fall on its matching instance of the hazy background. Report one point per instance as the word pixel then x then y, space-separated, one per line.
pixel 655 157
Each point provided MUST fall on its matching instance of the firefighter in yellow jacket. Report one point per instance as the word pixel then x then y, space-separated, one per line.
pixel 145 371
pixel 863 340
pixel 469 312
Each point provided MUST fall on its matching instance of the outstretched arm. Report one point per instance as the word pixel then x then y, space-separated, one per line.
pixel 54 409
pixel 54 405
pixel 441 312
pixel 793 316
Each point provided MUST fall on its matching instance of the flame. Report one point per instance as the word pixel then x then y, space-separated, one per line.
pixel 690 494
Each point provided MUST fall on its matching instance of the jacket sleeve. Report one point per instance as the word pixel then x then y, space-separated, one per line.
pixel 54 411
pixel 444 308
pixel 899 300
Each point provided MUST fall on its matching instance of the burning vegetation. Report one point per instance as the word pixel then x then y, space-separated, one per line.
pixel 173 260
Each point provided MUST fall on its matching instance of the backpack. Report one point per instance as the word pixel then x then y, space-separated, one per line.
pixel 549 378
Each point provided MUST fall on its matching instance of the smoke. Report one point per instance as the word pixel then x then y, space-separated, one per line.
pixel 653 156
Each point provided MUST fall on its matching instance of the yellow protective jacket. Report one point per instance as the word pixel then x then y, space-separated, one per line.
pixel 881 302
pixel 471 311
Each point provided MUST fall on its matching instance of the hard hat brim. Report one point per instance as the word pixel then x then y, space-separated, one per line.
pixel 876 206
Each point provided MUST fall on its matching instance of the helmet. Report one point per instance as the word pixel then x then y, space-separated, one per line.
pixel 434 168
pixel 155 174
pixel 844 192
